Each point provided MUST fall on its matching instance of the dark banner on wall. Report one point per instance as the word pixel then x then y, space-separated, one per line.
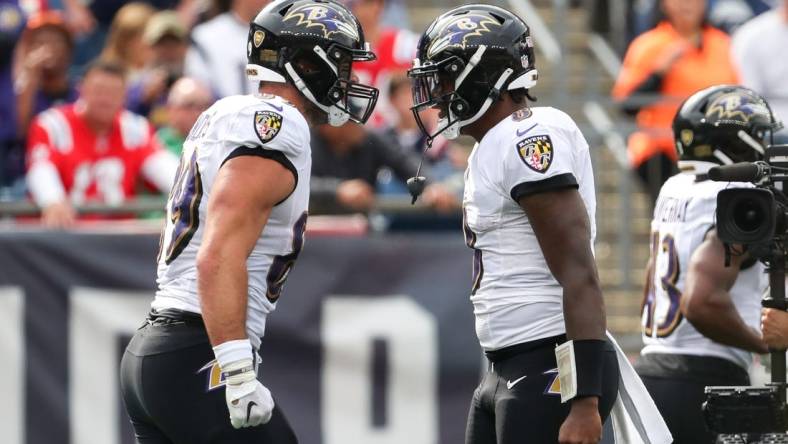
pixel 371 343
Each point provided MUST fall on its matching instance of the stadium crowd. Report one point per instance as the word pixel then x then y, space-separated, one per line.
pixel 172 59
pixel 102 96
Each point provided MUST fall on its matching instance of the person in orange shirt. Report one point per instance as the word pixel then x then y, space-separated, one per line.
pixel 662 67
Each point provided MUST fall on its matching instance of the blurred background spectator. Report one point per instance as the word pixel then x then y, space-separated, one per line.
pixel 345 166
pixel 445 159
pixel 12 22
pixel 395 49
pixel 93 150
pixel 166 41
pixel 217 55
pixel 663 66
pixel 44 58
pixel 187 99
pixel 763 62
pixel 124 44
pixel 90 21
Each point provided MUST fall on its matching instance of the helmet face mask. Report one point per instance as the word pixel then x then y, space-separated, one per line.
pixel 313 45
pixel 724 124
pixel 433 90
pixel 465 60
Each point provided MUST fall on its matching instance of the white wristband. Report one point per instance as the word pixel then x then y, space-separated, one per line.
pixel 232 351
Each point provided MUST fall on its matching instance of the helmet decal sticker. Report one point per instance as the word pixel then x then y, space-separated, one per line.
pixel 460 30
pixel 325 19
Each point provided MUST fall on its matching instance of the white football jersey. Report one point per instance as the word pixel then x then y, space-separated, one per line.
pixel 515 297
pixel 683 215
pixel 263 125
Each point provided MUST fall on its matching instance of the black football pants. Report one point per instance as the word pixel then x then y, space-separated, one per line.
pixel 174 395
pixel 519 401
pixel 677 385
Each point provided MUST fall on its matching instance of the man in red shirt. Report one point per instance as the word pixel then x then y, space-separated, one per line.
pixel 93 150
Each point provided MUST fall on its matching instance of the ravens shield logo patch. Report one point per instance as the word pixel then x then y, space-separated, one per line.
pixel 267 125
pixel 536 152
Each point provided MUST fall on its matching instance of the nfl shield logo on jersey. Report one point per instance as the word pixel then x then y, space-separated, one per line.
pixel 267 125
pixel 536 152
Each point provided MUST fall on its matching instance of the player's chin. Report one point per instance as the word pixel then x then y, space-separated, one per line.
pixel 314 115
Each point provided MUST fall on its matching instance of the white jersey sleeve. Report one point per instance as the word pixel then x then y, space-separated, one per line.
pixel 260 126
pixel 541 156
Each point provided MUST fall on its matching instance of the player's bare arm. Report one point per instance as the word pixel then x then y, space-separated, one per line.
pixel 561 225
pixel 560 222
pixel 245 190
pixel 706 301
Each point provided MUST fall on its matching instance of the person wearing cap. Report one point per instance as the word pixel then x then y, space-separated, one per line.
pixel 167 39
pixel 43 81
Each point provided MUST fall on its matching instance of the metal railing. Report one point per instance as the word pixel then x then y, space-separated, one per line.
pixel 614 142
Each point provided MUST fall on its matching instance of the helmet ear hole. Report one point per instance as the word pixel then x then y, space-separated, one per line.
pixel 460 108
pixel 455 67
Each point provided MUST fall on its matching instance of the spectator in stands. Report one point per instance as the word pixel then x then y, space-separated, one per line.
pixel 167 41
pixel 45 55
pixel 124 44
pixel 209 58
pixel 91 20
pixel 12 23
pixel 663 66
pixel 93 150
pixel 345 164
pixel 763 62
pixel 395 49
pixel 187 99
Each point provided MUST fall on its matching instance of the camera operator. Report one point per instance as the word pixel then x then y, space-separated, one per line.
pixel 774 325
pixel 700 318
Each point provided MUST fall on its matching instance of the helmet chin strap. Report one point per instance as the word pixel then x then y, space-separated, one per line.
pixel 336 116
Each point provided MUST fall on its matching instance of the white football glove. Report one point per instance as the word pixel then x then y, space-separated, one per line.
pixel 249 402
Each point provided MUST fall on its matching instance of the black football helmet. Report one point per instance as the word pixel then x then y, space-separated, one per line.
pixel 724 124
pixel 313 44
pixel 465 58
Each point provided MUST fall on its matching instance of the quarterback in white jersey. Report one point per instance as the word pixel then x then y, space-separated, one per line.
pixel 529 210
pixel 516 298
pixel 699 316
pixel 235 226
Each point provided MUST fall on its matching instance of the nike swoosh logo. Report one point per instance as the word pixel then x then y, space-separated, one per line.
pixel 276 107
pixel 510 384
pixel 249 410
pixel 524 132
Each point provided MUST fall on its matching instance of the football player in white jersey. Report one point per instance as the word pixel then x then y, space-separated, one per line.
pixel 699 317
pixel 235 226
pixel 529 217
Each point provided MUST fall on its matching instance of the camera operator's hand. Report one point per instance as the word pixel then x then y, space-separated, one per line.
pixel 774 326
